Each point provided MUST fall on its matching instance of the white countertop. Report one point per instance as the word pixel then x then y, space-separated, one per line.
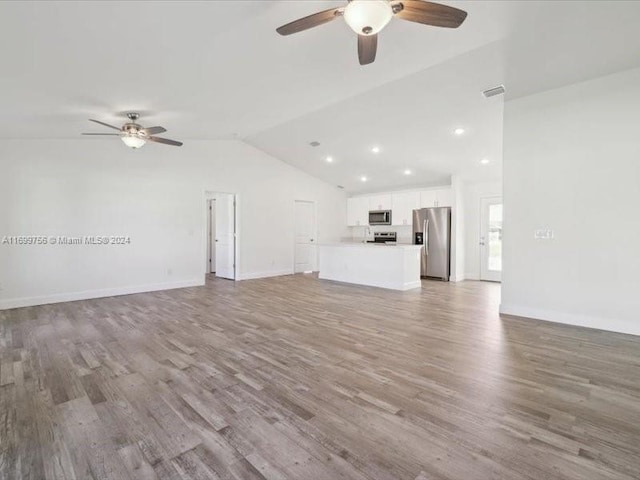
pixel 395 266
pixel 372 245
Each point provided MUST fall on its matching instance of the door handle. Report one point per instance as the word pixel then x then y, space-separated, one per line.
pixel 481 243
pixel 312 239
pixel 425 236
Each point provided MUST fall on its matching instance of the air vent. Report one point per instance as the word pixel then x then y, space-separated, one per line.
pixel 314 144
pixel 492 92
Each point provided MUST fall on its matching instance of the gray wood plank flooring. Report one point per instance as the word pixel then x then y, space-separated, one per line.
pixel 296 378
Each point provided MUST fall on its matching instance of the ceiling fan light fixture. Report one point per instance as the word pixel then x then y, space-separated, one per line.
pixel 368 17
pixel 133 141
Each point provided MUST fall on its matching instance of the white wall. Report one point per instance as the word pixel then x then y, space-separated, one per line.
pixel 458 254
pixel 473 193
pixel 572 164
pixel 154 195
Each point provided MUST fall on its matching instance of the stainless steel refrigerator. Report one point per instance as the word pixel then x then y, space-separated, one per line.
pixel 432 230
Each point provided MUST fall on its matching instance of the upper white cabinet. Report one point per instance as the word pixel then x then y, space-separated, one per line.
pixel 427 198
pixel 442 197
pixel 357 211
pixel 403 204
pixel 380 202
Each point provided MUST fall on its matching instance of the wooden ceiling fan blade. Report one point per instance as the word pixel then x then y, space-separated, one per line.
pixel 429 13
pixel 166 141
pixel 311 21
pixel 103 134
pixel 105 124
pixel 367 48
pixel 154 130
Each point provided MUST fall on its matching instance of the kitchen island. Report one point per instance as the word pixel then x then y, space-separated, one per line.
pixel 396 267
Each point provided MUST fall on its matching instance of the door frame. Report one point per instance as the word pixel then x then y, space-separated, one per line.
pixel 315 233
pixel 211 195
pixel 481 241
pixel 210 228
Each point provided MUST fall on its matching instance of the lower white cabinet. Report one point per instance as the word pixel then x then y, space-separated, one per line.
pixel 357 211
pixel 403 204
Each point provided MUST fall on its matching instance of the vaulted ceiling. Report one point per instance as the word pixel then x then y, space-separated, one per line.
pixel 209 70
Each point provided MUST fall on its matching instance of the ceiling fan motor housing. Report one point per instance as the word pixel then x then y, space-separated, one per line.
pixel 133 129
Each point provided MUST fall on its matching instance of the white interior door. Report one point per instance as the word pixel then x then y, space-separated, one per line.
pixel 211 257
pixel 225 230
pixel 305 227
pixel 491 239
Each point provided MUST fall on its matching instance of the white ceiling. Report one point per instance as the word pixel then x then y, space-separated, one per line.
pixel 218 70
pixel 412 121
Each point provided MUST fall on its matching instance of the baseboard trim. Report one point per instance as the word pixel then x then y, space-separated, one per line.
pixel 9 303
pixel 599 323
pixel 256 275
pixel 471 276
pixel 412 285
pixel 453 278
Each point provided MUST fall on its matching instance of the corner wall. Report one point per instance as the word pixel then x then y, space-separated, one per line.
pixel 155 196
pixel 572 165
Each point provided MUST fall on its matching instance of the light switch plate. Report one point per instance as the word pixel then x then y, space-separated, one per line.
pixel 543 234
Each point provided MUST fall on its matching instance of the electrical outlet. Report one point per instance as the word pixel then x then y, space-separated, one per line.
pixel 543 234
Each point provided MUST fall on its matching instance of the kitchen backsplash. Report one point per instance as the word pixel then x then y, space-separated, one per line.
pixel 404 232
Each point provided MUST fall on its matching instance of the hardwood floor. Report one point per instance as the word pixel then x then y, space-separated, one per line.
pixel 295 378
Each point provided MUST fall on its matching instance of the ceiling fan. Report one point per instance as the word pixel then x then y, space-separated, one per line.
pixel 368 17
pixel 134 135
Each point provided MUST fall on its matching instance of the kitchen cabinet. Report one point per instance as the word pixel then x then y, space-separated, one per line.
pixel 428 198
pixel 436 198
pixel 357 211
pixel 380 202
pixel 444 197
pixel 402 206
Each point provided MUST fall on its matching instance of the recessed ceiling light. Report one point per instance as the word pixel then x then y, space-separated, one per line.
pixel 363 178
pixel 329 159
pixel 484 161
pixel 408 172
pixel 375 149
pixel 459 131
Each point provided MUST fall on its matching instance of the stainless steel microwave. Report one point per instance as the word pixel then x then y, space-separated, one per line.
pixel 380 217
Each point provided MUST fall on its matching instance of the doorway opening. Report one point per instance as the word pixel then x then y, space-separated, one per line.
pixel 221 235
pixel 491 239
pixel 211 235
pixel 305 252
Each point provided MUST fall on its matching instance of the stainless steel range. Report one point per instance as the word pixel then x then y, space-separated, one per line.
pixel 384 237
